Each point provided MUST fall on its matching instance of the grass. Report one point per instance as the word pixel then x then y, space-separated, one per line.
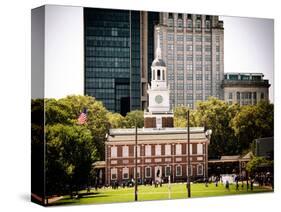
pixel 178 191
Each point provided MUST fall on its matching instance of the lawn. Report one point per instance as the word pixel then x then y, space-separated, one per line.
pixel 178 191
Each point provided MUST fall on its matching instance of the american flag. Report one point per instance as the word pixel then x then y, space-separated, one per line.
pixel 82 119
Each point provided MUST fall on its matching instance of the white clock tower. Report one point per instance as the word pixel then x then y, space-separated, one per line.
pixel 158 114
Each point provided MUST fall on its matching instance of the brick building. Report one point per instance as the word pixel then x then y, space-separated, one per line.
pixel 161 152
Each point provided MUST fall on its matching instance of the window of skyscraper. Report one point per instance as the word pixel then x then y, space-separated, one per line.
pixel 207 38
pixel 179 37
pixel 189 67
pixel 189 76
pixel 198 48
pixel 180 47
pixel 198 38
pixel 208 58
pixel 207 48
pixel 180 23
pixel 189 86
pixel 188 47
pixel 198 24
pixel 189 96
pixel 170 36
pixel 208 24
pixel 189 37
pixel 198 58
pixel 189 24
pixel 189 57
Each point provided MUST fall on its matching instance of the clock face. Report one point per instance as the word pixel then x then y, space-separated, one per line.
pixel 158 99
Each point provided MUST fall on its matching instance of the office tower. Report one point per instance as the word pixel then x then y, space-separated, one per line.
pixel 193 49
pixel 117 48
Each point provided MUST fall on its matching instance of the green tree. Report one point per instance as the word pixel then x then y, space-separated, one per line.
pixel 255 162
pixel 180 117
pixel 116 120
pixel 67 110
pixel 70 154
pixel 216 114
pixel 134 117
pixel 252 122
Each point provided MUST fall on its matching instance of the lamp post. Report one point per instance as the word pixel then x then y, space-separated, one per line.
pixel 188 157
pixel 136 163
pixel 208 134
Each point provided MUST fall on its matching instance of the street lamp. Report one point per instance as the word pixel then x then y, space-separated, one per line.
pixel 188 157
pixel 136 163
pixel 208 134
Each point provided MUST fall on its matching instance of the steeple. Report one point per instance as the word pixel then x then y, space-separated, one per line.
pixel 158 49
pixel 158 57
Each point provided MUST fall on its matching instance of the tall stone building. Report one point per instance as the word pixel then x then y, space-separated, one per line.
pixel 193 48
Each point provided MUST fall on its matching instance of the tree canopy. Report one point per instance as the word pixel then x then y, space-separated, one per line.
pixel 233 127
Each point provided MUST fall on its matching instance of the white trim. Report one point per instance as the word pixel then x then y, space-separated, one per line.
pixel 148 150
pixel 199 149
pixel 180 170
pixel 113 152
pixel 168 149
pixel 112 172
pixel 125 170
pixel 158 150
pixel 168 166
pixel 125 151
pixel 178 149
pixel 198 165
pixel 147 176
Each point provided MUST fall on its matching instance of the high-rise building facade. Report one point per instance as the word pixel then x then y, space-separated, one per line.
pixel 117 52
pixel 193 48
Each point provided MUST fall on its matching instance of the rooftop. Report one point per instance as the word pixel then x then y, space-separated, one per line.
pixel 157 135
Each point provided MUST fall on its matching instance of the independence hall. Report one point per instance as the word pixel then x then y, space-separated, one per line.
pixel 162 150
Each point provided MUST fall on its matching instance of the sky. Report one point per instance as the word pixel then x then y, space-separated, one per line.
pixel 249 47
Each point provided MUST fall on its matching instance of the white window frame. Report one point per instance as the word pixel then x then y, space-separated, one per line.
pixel 125 151
pixel 168 151
pixel 113 152
pixel 199 149
pixel 147 150
pixel 179 166
pixel 147 176
pixel 125 171
pixel 200 165
pixel 166 171
pixel 112 172
pixel 158 150
pixel 178 149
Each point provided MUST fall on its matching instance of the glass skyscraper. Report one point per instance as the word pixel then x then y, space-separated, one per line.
pixel 117 53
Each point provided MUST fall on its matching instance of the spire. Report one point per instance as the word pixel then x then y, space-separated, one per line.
pixel 158 49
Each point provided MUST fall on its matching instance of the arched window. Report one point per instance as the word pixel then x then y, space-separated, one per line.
pixel 153 74
pixel 163 74
pixel 158 74
pixel 170 20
